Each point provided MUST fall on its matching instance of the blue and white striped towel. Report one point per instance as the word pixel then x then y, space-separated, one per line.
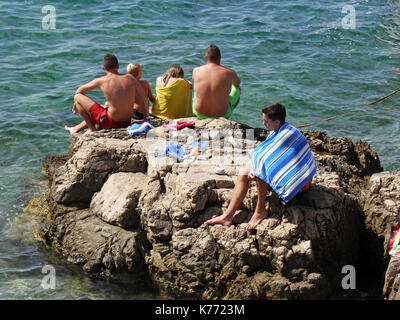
pixel 284 161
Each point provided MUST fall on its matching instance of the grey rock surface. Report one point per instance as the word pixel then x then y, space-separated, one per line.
pixel 117 200
pixel 96 245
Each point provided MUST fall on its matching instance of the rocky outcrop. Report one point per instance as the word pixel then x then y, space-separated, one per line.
pixel 305 243
pixel 382 201
pixel 119 204
pixel 353 162
pixel 93 159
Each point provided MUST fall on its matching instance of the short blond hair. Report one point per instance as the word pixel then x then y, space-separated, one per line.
pixel 134 69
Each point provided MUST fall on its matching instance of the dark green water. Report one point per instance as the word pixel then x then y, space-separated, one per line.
pixel 295 52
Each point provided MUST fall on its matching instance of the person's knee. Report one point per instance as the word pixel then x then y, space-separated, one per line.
pixel 244 171
pixel 243 178
pixel 83 101
pixel 79 108
pixel 263 184
pixel 77 97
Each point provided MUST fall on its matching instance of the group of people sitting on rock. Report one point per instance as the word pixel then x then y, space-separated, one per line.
pixel 283 163
pixel 216 94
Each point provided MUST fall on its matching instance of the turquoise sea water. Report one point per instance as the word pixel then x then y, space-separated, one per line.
pixel 296 52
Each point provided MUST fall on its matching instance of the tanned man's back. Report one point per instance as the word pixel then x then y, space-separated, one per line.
pixel 119 91
pixel 212 85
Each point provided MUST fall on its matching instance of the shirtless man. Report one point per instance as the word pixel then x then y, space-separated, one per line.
pixel 120 91
pixel 212 87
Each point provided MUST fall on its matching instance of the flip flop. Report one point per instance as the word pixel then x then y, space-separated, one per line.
pixel 179 125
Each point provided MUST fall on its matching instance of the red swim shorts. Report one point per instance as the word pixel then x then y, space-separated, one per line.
pixel 306 187
pixel 99 115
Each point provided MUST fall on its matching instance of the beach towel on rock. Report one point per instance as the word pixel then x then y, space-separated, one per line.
pixel 284 161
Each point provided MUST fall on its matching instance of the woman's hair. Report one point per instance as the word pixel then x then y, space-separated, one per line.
pixel 174 72
pixel 133 69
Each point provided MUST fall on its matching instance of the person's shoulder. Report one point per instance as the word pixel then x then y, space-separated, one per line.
pixel 222 70
pixel 287 125
pixel 199 68
pixel 159 82
pixel 146 84
pixel 200 72
pixel 230 71
pixel 233 76
pixel 128 76
pixel 288 128
pixel 132 79
pixel 100 80
pixel 195 69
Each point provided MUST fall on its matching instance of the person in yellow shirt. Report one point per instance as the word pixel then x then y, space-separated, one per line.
pixel 174 95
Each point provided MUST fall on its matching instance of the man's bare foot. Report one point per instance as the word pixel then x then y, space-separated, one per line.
pixel 225 221
pixel 77 128
pixel 256 219
pixel 71 130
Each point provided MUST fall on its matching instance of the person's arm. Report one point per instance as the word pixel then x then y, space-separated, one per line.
pixel 159 82
pixel 235 80
pixel 92 85
pixel 146 113
pixel 194 74
pixel 150 95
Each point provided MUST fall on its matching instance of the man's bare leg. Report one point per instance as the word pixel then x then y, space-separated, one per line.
pixel 260 213
pixel 82 105
pixel 239 193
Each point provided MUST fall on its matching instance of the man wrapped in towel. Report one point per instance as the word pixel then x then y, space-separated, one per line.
pixel 283 162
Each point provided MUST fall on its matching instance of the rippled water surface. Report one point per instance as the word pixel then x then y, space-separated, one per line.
pixel 295 52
